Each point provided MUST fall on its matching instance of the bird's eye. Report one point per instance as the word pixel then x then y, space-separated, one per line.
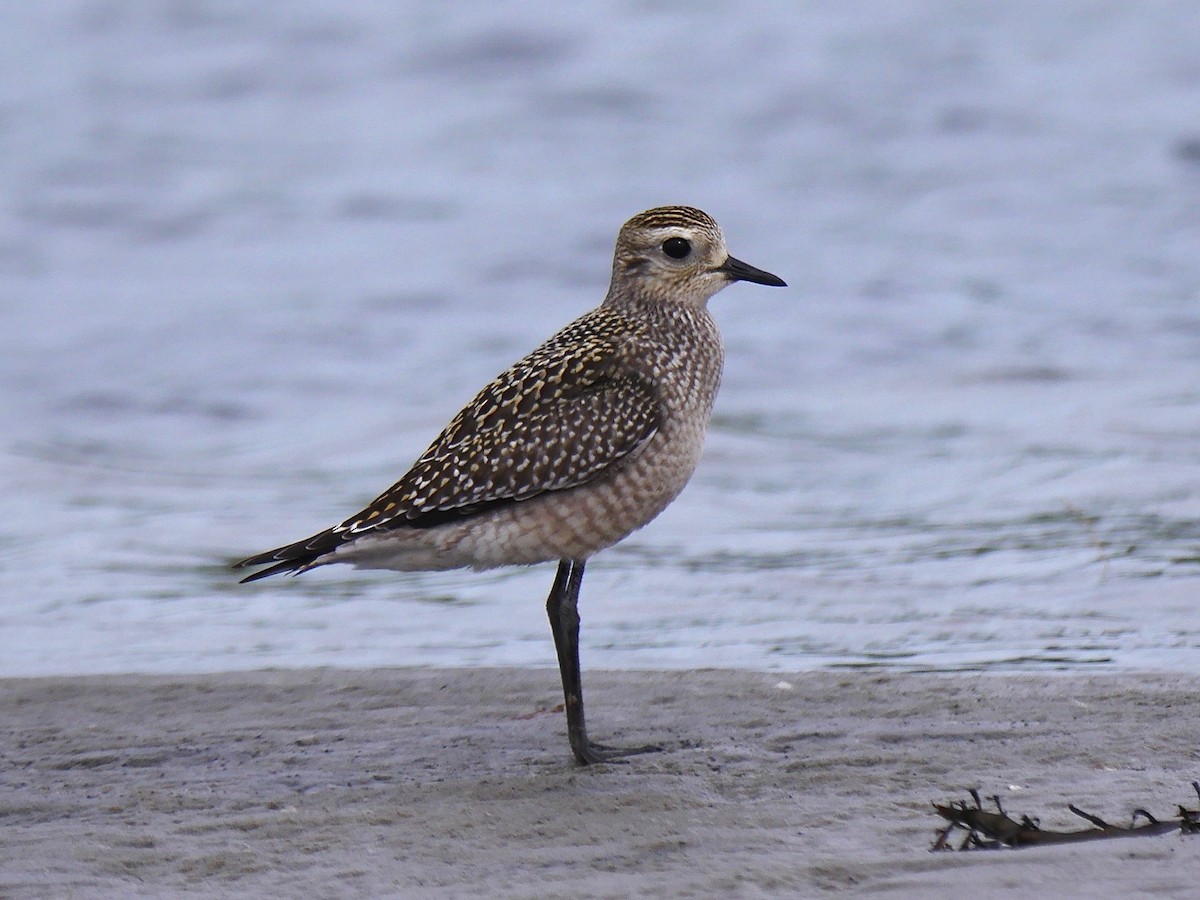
pixel 677 247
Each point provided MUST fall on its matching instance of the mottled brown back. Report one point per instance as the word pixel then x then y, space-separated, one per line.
pixel 570 410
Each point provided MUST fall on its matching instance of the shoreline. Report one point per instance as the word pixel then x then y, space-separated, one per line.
pixel 391 782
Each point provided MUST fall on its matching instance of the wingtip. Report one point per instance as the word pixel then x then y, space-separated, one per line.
pixel 274 560
pixel 254 576
pixel 287 565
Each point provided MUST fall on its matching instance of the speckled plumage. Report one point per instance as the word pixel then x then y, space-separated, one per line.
pixel 566 452
pixel 573 413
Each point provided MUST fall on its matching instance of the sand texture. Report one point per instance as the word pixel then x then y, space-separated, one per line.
pixel 406 782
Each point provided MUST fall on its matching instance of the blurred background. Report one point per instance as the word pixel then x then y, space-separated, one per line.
pixel 254 255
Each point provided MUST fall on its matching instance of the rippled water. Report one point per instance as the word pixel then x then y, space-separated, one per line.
pixel 252 258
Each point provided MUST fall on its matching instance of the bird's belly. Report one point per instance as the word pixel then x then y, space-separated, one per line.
pixel 567 524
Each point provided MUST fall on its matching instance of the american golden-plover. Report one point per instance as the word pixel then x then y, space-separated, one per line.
pixel 582 442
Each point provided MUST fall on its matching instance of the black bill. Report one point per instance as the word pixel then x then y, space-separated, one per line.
pixel 740 271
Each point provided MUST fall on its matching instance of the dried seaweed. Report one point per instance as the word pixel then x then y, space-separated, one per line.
pixel 987 830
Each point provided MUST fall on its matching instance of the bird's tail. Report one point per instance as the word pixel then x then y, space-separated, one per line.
pixel 294 558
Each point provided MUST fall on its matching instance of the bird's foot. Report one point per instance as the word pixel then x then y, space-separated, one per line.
pixel 590 753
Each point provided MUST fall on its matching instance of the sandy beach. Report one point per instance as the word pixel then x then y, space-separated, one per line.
pixel 455 782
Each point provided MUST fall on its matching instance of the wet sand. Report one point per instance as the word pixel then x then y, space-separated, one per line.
pixel 407 782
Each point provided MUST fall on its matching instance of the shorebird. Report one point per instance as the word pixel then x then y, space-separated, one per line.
pixel 569 450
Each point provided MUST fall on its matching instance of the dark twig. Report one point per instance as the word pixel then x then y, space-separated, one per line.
pixel 1095 820
pixel 1189 819
pixel 992 830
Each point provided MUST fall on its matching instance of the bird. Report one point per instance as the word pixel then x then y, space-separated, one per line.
pixel 569 450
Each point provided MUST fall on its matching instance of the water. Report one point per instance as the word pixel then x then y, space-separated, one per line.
pixel 253 257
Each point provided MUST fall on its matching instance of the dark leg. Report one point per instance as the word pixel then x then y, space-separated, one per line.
pixel 562 606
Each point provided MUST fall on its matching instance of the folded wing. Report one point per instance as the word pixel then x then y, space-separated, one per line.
pixel 561 417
